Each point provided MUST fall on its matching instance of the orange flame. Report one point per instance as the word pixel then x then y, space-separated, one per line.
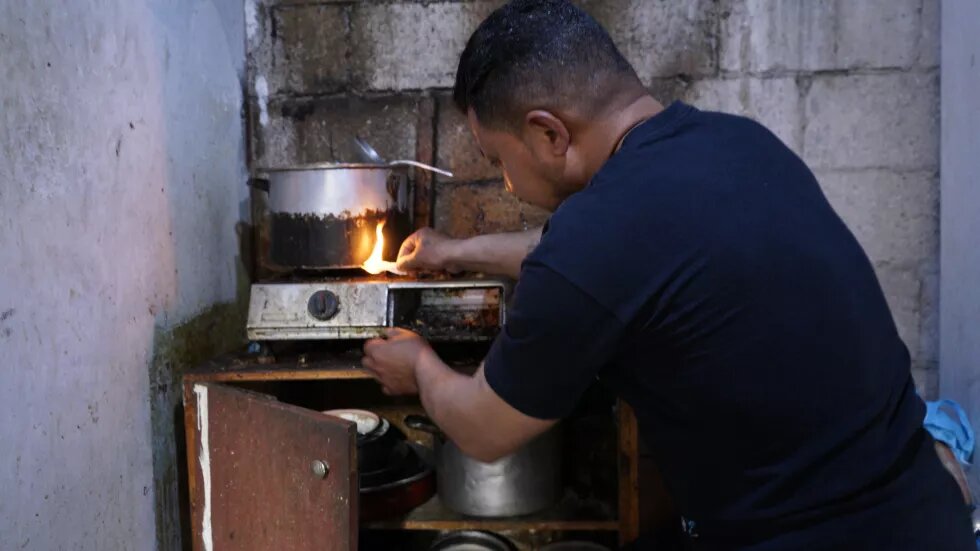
pixel 375 264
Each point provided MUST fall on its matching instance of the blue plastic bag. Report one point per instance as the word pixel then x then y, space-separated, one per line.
pixel 955 432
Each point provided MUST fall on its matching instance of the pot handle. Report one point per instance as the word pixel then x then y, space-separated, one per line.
pixel 258 183
pixel 422 423
pixel 423 166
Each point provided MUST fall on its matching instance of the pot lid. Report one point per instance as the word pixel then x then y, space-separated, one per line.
pixel 366 421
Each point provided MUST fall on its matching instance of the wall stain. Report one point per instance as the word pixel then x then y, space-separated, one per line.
pixel 176 349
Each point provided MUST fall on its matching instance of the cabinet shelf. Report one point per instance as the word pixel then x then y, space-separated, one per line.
pixel 244 368
pixel 262 411
pixel 570 514
pixel 309 362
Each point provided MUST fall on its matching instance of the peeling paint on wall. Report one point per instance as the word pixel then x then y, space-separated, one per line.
pixel 204 428
pixel 262 96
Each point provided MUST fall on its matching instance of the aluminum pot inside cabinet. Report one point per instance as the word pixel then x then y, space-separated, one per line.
pixel 472 540
pixel 324 216
pixel 524 482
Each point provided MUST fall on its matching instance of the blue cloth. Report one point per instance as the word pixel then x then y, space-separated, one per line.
pixel 954 432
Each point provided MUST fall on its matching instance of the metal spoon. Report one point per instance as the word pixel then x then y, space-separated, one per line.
pixel 367 152
pixel 371 155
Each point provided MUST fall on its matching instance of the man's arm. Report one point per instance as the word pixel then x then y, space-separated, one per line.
pixel 555 341
pixel 465 407
pixel 495 254
pixel 472 415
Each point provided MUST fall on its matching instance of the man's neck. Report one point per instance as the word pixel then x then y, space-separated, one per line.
pixel 609 136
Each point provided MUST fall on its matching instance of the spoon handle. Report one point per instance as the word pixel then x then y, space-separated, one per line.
pixel 422 166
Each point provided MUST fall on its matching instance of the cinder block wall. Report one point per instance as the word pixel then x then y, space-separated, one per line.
pixel 851 86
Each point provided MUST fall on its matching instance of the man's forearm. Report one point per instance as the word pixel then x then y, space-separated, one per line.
pixel 497 254
pixel 467 410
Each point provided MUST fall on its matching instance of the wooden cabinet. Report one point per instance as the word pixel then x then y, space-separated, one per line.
pixel 266 470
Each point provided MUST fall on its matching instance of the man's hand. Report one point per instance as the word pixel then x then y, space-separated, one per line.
pixel 394 359
pixel 426 250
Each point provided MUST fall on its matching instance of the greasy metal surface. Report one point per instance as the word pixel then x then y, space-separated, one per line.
pixel 254 489
pixel 279 311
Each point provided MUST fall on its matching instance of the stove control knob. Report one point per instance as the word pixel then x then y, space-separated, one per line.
pixel 323 305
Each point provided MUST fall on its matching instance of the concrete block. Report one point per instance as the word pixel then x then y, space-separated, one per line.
pixel 464 210
pixel 926 382
pixel 864 121
pixel 668 89
pixel 455 147
pixel 304 2
pixel 902 288
pixel 661 39
pixel 895 216
pixel 319 130
pixel 425 151
pixel 310 50
pixel 804 35
pixel 929 322
pixel 774 102
pixel 929 37
pixel 399 46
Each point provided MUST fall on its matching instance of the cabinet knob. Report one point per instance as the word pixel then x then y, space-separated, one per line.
pixel 320 468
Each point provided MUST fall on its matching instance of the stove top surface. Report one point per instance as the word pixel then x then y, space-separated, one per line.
pixel 337 307
pixel 357 275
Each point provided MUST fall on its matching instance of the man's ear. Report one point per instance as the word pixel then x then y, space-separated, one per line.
pixel 546 133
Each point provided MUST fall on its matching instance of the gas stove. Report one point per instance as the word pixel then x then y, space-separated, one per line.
pixel 332 225
pixel 335 308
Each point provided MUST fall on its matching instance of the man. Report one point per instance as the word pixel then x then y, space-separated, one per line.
pixel 693 265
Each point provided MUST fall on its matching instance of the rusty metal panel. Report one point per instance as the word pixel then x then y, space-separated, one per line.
pixel 267 475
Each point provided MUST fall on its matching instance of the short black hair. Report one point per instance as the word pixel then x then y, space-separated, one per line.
pixel 536 54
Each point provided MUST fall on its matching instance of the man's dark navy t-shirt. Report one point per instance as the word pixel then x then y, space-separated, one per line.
pixel 703 276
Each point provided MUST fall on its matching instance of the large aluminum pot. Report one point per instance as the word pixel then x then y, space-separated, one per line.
pixel 323 216
pixel 524 482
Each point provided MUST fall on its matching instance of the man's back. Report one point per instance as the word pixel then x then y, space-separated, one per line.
pixel 739 316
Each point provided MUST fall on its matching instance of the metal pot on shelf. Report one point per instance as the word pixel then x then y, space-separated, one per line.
pixel 522 483
pixel 324 216
pixel 394 475
pixel 379 443
pixel 472 540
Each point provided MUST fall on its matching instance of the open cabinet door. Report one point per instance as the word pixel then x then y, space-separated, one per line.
pixel 267 475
